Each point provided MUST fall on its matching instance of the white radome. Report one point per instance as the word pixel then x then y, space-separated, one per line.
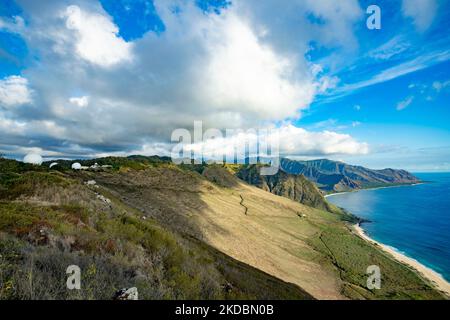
pixel 33 158
pixel 53 164
pixel 76 166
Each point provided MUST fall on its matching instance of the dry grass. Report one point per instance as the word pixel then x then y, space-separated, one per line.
pixel 49 226
pixel 277 235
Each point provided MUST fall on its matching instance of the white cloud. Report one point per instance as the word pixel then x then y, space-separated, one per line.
pixel 80 101
pixel 327 83
pixel 400 70
pixel 96 38
pixel 298 141
pixel 421 11
pixel 241 68
pixel 14 25
pixel 14 91
pixel 404 103
pixel 243 74
pixel 438 85
pixel 339 16
pixel 33 128
pixel 12 127
pixel 389 49
pixel 292 141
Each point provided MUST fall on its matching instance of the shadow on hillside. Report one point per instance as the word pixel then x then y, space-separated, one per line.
pixel 171 196
pixel 220 176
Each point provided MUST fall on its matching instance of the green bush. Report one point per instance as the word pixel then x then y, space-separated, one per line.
pixel 26 184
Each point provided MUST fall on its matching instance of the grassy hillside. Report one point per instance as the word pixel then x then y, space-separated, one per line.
pixel 178 233
pixel 271 233
pixel 50 220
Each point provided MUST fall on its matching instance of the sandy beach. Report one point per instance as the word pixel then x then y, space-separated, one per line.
pixel 426 272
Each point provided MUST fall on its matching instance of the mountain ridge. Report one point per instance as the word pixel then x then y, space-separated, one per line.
pixel 294 187
pixel 337 176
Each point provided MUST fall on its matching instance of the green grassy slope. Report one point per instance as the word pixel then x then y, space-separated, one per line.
pixel 351 256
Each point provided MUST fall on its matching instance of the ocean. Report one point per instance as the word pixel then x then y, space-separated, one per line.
pixel 414 220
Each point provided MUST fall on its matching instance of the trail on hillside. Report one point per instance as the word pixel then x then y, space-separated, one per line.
pixel 242 204
pixel 340 269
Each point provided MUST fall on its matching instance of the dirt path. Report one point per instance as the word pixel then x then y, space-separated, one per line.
pixel 242 204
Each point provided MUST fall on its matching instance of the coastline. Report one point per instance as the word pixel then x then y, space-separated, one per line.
pixel 376 188
pixel 434 277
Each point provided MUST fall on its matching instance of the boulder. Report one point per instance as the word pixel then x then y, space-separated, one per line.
pixel 126 294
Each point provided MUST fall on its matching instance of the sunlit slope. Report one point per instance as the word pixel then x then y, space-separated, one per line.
pixel 311 248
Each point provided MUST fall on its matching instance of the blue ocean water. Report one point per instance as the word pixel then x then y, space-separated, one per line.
pixel 415 220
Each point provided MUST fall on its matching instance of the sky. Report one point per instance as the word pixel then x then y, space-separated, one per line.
pixel 87 78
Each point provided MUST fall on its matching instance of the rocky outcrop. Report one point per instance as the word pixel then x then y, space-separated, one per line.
pixel 127 294
pixel 294 187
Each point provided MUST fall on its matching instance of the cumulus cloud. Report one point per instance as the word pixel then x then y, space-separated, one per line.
pixel 14 91
pixel 239 69
pixel 243 74
pixel 285 140
pixel 96 38
pixel 421 11
pixel 80 101
pixel 298 141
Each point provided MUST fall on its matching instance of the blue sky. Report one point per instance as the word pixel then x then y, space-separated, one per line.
pixel 416 136
pixel 86 78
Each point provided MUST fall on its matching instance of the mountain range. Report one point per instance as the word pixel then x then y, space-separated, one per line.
pixel 336 176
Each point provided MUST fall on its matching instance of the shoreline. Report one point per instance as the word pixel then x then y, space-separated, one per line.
pixel 376 188
pixel 434 277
